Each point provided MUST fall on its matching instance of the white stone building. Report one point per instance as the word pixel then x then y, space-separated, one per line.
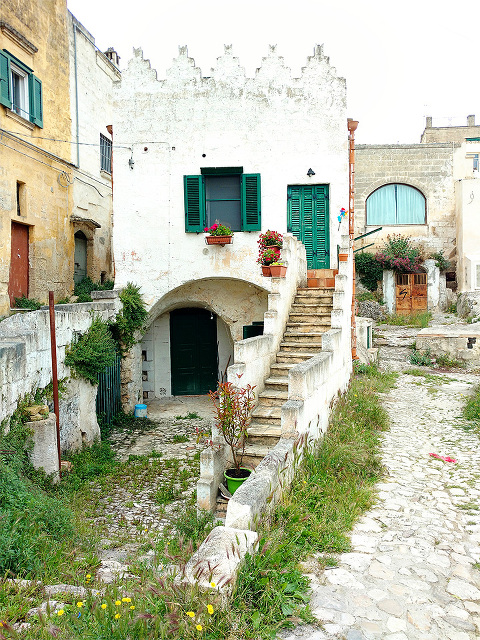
pixel 256 153
pixel 92 77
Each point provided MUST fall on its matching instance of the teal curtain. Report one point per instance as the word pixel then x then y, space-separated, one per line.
pixel 410 205
pixel 396 204
pixel 381 207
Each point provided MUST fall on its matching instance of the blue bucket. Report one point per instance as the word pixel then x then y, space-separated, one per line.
pixel 140 411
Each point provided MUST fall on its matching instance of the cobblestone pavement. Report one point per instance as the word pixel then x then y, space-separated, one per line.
pixel 413 572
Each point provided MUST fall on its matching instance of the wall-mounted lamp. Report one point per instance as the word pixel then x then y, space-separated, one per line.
pixel 131 162
pixel 310 173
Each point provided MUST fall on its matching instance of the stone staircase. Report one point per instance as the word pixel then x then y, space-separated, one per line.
pixel 310 317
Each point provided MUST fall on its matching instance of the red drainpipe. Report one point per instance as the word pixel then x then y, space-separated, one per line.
pixel 352 125
pixel 110 131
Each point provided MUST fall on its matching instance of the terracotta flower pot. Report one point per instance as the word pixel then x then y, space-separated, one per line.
pixel 221 240
pixel 343 257
pixel 278 270
pixel 265 270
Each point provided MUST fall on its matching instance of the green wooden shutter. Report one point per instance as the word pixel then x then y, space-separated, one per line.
pixel 194 204
pixel 321 224
pixel 5 89
pixel 251 208
pixel 36 100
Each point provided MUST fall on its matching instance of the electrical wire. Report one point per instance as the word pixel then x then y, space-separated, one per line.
pixel 121 145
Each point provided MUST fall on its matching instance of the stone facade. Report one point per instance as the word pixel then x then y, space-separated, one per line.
pixel 429 168
pixel 273 125
pixel 450 133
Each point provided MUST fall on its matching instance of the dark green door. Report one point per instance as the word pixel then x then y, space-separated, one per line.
pixel 193 351
pixel 308 220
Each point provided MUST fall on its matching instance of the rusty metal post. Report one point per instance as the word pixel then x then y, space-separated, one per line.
pixel 56 405
pixel 352 125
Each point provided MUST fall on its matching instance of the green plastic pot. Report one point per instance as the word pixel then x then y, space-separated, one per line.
pixel 232 482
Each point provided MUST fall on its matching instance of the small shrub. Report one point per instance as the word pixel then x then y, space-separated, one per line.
pixel 27 303
pixel 445 360
pixel 421 358
pixel 452 308
pixel 440 260
pixel 413 320
pixel 93 352
pixel 131 319
pixel 399 254
pixel 84 288
pixel 369 269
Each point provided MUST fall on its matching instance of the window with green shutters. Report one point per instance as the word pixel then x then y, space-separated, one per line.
pixel 224 195
pixel 20 89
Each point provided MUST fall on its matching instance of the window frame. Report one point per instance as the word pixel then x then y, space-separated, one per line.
pixel 105 158
pixel 396 223
pixel 195 198
pixel 32 103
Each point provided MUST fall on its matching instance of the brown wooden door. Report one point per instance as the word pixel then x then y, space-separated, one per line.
pixel 410 293
pixel 18 280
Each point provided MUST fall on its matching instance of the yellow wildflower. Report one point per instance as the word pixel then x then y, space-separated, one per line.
pixel 199 627
pixel 132 607
pixel 117 603
pixel 88 576
pixel 117 616
pixel 209 609
pixel 60 612
pixel 80 604
pixel 212 584
pixel 104 606
pixel 190 614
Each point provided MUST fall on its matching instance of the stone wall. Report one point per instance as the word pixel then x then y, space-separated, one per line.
pixel 25 364
pixel 429 168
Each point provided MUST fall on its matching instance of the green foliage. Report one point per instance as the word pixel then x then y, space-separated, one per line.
pixel 124 422
pixel 191 415
pixel 84 288
pixel 421 358
pixel 440 260
pixel 412 320
pixel 369 295
pixel 471 410
pixel 27 303
pixel 131 319
pixel 449 362
pixel 369 269
pixel 399 254
pixel 92 352
pixel 89 463
pixel 452 308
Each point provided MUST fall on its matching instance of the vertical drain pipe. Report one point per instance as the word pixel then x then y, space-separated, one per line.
pixel 352 125
pixel 56 406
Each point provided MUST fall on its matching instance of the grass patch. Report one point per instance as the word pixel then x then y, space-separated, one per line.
pixel 191 415
pixel 179 438
pixel 412 320
pixel 471 411
pixel 448 362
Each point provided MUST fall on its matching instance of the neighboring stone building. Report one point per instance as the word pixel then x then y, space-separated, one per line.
pixel 275 148
pixel 51 80
pixel 428 191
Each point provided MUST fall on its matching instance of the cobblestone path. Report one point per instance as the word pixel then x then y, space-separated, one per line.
pixel 413 572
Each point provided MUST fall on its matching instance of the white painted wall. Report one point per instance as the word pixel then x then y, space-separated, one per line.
pixel 271 124
pixel 92 88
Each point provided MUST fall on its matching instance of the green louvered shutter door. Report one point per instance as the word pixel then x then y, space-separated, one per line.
pixel 5 89
pixel 36 100
pixel 251 209
pixel 308 228
pixel 321 227
pixel 294 211
pixel 194 204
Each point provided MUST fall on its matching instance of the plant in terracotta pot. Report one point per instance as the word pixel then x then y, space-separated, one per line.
pixel 278 270
pixel 266 257
pixel 270 239
pixel 233 407
pixel 218 234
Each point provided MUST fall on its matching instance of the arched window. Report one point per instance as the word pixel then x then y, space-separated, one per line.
pixel 396 204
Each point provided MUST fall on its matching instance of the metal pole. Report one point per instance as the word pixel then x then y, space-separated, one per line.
pixel 53 343
pixel 352 125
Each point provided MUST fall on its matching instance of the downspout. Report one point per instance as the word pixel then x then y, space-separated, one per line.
pixel 352 125
pixel 76 88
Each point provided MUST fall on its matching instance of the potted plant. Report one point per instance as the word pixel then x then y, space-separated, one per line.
pixel 278 270
pixel 219 234
pixel 270 239
pixel 266 257
pixel 233 407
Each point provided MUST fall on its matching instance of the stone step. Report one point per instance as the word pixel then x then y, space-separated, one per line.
pixel 318 292
pixel 278 375
pixel 299 346
pixel 314 337
pixel 273 396
pixel 268 415
pixel 317 309
pixel 294 358
pixel 265 434
pixel 306 327
pixel 322 319
pixel 254 454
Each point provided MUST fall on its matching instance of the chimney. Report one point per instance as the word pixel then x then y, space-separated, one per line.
pixel 470 121
pixel 429 122
pixel 113 56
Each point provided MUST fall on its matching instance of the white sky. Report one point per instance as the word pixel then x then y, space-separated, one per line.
pixel 402 60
